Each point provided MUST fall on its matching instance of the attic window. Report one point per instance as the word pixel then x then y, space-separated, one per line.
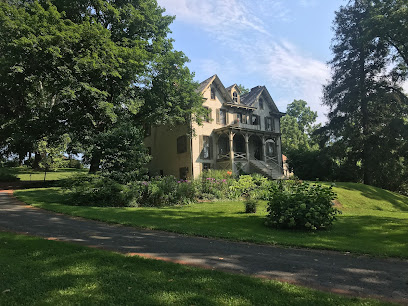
pixel 212 93
pixel 235 97
pixel 261 103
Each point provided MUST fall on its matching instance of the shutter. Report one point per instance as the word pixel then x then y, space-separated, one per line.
pixel 217 115
pixel 266 124
pixel 201 146
pixel 210 140
pixel 226 117
pixel 210 115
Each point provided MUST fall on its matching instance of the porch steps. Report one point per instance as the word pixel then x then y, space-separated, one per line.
pixel 269 170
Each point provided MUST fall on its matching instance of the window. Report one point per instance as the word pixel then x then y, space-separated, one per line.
pixel 222 117
pixel 206 147
pixel 182 144
pixel 183 172
pixel 269 124
pixel 261 103
pixel 212 93
pixel 239 118
pixel 207 117
pixel 206 166
pixel 255 120
pixel 235 97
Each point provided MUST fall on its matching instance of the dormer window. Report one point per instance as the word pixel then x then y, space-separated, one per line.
pixel 261 103
pixel 212 93
pixel 235 97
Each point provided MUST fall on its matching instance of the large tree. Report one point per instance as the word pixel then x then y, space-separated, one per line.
pixel 81 66
pixel 297 127
pixel 365 99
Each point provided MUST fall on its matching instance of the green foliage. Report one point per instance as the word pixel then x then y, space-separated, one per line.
pixel 122 153
pixel 301 206
pixel 95 190
pixel 80 68
pixel 215 184
pixel 297 127
pixel 367 126
pixel 7 176
pixel 250 206
pixel 165 191
pixel 243 89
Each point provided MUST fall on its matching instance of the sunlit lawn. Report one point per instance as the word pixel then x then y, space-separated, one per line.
pixel 40 272
pixel 374 221
pixel 28 174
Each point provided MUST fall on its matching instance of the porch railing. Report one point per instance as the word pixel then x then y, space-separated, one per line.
pixel 238 124
pixel 237 155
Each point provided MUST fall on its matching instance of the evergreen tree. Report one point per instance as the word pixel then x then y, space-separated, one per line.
pixel 365 100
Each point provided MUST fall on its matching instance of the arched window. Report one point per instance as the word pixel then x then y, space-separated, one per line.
pixel 235 97
pixel 212 93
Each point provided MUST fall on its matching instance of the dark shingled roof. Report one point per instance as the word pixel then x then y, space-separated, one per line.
pixel 229 88
pixel 204 84
pixel 250 98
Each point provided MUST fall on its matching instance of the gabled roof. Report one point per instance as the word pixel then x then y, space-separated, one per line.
pixel 229 88
pixel 204 84
pixel 252 97
pixel 218 84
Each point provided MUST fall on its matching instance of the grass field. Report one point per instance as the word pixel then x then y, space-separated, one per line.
pixel 374 221
pixel 28 174
pixel 40 272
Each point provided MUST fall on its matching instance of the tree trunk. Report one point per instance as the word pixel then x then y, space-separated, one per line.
pixel 95 162
pixel 37 159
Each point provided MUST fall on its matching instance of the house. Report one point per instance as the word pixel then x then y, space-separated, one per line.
pixel 241 133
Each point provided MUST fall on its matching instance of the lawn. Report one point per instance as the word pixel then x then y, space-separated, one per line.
pixel 28 174
pixel 374 221
pixel 41 272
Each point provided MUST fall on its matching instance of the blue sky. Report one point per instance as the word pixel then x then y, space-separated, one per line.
pixel 283 45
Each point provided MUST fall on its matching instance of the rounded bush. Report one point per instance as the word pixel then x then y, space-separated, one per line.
pixel 301 206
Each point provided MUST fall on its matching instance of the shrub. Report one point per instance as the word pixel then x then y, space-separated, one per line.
pixel 162 191
pixel 250 206
pixel 95 190
pixel 6 176
pixel 301 206
pixel 216 183
pixel 244 186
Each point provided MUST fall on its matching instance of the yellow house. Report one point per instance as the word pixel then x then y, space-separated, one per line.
pixel 242 134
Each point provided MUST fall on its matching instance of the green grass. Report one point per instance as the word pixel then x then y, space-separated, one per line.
pixel 374 221
pixel 28 174
pixel 34 271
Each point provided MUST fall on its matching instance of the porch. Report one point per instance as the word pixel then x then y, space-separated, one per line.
pixel 248 150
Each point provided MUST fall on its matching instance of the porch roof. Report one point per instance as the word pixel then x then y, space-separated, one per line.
pixel 244 129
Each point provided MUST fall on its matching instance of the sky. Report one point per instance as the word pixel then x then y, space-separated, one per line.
pixel 282 44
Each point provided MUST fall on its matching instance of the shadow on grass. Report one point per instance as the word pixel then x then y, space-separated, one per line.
pixel 377 235
pixel 36 271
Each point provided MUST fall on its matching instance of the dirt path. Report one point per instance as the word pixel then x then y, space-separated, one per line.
pixel 325 270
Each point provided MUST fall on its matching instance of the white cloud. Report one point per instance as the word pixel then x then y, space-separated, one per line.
pixel 278 63
pixel 308 3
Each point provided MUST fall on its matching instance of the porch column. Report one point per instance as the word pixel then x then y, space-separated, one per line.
pixel 231 140
pixel 263 148
pixel 247 146
pixel 215 148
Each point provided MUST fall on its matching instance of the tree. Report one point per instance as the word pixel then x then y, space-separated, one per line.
pixel 243 89
pixel 297 126
pixel 364 99
pixel 79 66
pixel 52 154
